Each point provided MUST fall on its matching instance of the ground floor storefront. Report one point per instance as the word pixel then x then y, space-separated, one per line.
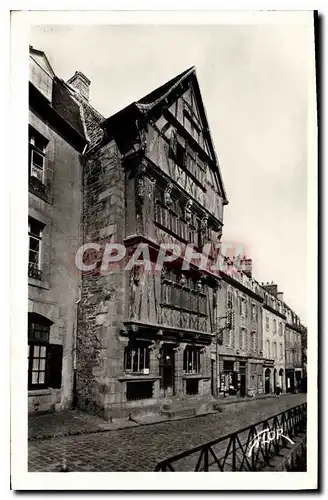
pixel 274 377
pixel 240 376
pixel 294 379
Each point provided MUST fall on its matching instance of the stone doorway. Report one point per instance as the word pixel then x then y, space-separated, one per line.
pixel 167 369
pixel 267 376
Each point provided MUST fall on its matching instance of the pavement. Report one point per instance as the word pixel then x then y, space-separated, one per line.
pixel 140 447
pixel 75 422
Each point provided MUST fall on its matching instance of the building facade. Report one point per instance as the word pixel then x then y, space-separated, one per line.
pixel 273 339
pixel 144 335
pixel 293 351
pixel 239 327
pixel 56 140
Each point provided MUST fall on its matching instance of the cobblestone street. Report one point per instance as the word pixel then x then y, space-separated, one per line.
pixel 141 448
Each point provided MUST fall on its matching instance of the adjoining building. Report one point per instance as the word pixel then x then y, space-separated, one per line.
pixel 273 339
pixel 56 141
pixel 293 351
pixel 239 327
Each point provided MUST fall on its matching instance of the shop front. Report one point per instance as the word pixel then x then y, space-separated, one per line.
pixel 232 379
pixel 255 377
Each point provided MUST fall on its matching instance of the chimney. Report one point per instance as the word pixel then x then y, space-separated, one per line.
pixel 271 288
pixel 280 296
pixel 247 266
pixel 81 83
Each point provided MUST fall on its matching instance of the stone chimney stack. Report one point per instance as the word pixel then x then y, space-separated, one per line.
pixel 271 288
pixel 81 83
pixel 247 267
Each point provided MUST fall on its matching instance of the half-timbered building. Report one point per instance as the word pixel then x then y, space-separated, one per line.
pixel 145 334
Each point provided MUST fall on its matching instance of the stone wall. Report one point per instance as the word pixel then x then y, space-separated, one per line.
pixel 99 352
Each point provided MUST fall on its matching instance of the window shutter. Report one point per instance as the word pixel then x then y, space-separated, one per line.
pixel 54 365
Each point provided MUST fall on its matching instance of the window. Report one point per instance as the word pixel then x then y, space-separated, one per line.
pixel 37 365
pixel 268 352
pixel 281 351
pixel 229 299
pixel 253 341
pixel 173 219
pixel 35 229
pixel 37 148
pixel 139 390
pixel 280 329
pixel 254 312
pixel 274 349
pixel 191 360
pixel 243 338
pixel 229 336
pixel 242 307
pixel 274 326
pixel 44 359
pixel 137 359
pixel 267 322
pixel 183 292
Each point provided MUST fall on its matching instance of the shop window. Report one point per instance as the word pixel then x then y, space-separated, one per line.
pixel 137 359
pixel 139 390
pixel 191 360
pixel 192 386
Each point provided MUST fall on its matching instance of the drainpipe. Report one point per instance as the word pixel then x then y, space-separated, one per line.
pixel 74 349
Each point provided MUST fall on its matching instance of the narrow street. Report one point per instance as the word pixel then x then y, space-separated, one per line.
pixel 141 448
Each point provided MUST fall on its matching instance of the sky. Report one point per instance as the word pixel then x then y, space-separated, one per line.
pixel 253 80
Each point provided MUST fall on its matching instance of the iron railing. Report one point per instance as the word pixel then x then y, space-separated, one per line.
pixel 249 449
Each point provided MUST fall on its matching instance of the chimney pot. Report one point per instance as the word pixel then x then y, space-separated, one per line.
pixel 81 83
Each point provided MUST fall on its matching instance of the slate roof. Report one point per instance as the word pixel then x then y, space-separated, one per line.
pixel 146 104
pixel 157 95
pixel 62 101
pixel 66 106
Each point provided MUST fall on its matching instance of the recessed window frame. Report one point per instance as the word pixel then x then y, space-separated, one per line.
pixel 35 235
pixel 37 149
pixel 137 359
pixel 38 342
pixel 191 360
